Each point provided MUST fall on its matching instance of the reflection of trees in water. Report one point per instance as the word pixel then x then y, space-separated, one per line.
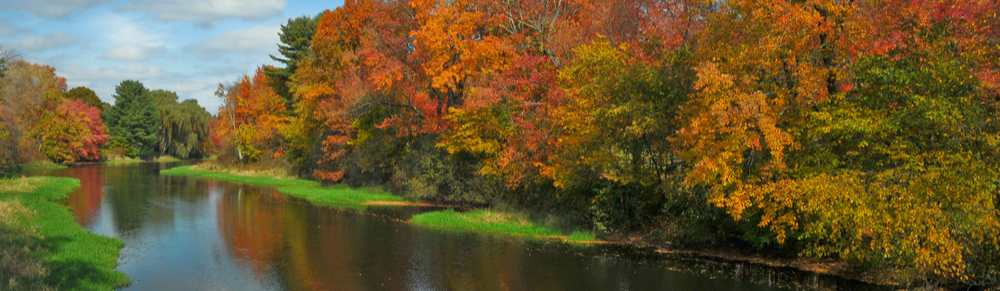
pixel 247 227
pixel 279 239
pixel 87 199
pixel 133 194
pixel 320 248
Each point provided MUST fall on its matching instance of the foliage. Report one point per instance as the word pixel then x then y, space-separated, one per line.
pixel 88 96
pixel 861 137
pixel 251 119
pixel 28 90
pixel 296 38
pixel 184 126
pixel 133 120
pixel 72 132
pixel 860 130
pixel 430 173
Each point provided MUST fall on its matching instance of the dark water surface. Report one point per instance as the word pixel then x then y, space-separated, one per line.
pixel 194 234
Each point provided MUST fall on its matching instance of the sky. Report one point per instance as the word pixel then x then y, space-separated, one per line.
pixel 185 46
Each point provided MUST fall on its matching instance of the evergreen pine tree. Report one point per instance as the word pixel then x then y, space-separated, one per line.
pixel 134 119
pixel 296 41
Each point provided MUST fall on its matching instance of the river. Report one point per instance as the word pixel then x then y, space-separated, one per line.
pixel 194 234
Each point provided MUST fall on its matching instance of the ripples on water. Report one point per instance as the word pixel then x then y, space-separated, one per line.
pixel 192 234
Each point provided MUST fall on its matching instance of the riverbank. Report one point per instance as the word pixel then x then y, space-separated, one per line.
pixel 43 165
pixel 480 220
pixel 309 190
pixel 507 223
pixel 498 222
pixel 46 248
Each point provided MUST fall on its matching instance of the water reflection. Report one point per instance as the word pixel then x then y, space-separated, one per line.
pixel 193 234
pixel 87 200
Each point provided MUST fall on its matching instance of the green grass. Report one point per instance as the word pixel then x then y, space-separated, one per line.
pixel 338 195
pixel 507 223
pixel 301 188
pixel 187 171
pixel 581 236
pixel 76 258
pixel 122 161
pixel 43 165
pixel 164 159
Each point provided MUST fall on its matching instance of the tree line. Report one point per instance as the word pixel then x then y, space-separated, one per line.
pixel 859 130
pixel 40 119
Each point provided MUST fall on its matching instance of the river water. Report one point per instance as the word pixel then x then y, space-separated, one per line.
pixel 194 234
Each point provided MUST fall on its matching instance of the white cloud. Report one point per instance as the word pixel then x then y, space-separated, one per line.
pixel 50 8
pixel 122 29
pixel 8 29
pixel 130 71
pixel 44 42
pixel 259 40
pixel 133 52
pixel 210 10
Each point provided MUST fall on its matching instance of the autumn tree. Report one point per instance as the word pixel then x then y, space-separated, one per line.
pixel 252 118
pixel 837 125
pixel 27 90
pixel 72 132
pixel 362 64
pixel 8 141
pixel 88 96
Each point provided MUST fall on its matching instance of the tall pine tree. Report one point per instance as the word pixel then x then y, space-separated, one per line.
pixel 134 120
pixel 296 40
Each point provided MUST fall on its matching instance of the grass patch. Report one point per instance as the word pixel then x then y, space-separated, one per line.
pixel 338 195
pixel 43 165
pixel 165 159
pixel 484 220
pixel 60 254
pixel 301 188
pixel 581 236
pixel 122 161
pixel 259 178
pixel 20 185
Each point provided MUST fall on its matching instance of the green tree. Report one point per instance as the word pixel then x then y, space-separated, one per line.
pixel 183 126
pixel 88 96
pixel 134 119
pixel 296 40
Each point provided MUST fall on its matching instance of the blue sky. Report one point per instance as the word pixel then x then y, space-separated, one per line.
pixel 185 46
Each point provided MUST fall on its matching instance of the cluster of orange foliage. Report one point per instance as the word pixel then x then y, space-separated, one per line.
pixel 251 119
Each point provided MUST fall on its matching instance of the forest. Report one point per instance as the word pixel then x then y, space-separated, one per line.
pixel 42 120
pixel 861 131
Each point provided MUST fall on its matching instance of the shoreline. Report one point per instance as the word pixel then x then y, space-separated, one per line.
pixel 822 266
pixel 827 267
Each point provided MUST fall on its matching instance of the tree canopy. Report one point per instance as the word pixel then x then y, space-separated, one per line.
pixel 133 120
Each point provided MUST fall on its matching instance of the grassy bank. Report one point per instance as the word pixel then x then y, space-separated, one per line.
pixel 507 223
pixel 166 159
pixel 500 222
pixel 45 248
pixel 259 178
pixel 122 161
pixel 43 165
pixel 305 189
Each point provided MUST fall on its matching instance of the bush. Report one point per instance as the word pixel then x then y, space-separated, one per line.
pixel 428 172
